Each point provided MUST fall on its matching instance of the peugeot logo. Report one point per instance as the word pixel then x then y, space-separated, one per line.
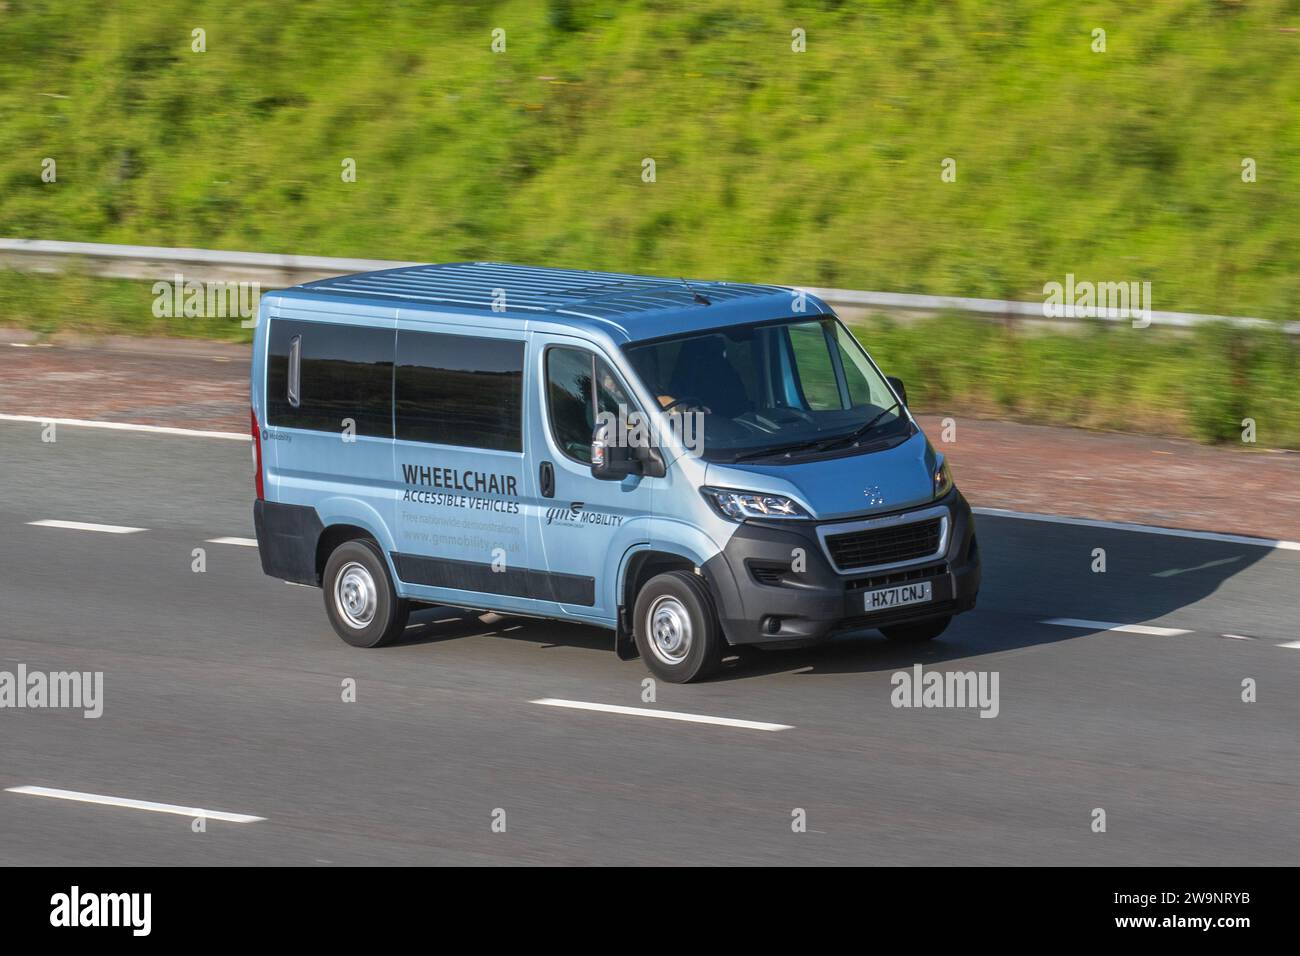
pixel 874 497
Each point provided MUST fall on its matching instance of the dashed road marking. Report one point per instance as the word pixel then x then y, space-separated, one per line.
pixel 84 526
pixel 1237 637
pixel 1294 645
pixel 1200 567
pixel 1146 629
pixel 130 804
pixel 125 427
pixel 661 714
pixel 1143 528
pixel 242 542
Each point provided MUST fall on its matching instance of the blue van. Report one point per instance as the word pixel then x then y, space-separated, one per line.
pixel 693 465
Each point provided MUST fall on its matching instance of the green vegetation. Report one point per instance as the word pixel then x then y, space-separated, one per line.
pixel 49 304
pixel 817 168
pixel 1196 385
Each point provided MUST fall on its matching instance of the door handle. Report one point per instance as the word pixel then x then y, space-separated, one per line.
pixel 546 479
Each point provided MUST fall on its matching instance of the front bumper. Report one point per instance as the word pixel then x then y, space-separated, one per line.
pixel 764 599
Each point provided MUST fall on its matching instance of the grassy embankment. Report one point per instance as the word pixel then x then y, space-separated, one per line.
pixel 820 168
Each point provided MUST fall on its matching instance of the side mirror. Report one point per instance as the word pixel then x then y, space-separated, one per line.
pixel 899 388
pixel 614 460
pixel 611 460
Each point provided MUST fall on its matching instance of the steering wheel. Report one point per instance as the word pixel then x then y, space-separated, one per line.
pixel 692 400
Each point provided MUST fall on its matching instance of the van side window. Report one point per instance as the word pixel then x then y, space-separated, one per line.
pixel 577 384
pixel 569 402
pixel 321 373
pixel 459 390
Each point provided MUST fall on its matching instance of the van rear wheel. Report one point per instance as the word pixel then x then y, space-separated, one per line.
pixel 360 599
pixel 676 627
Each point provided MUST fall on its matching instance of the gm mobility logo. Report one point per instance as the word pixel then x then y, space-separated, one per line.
pixel 576 515
pixel 75 908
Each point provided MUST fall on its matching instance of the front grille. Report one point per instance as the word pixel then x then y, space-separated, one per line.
pixel 886 545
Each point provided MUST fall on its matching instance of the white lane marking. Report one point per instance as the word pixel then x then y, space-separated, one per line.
pixel 126 427
pixel 84 526
pixel 1144 529
pixel 993 512
pixel 1237 637
pixel 1294 645
pixel 662 714
pixel 242 542
pixel 1111 626
pixel 1200 567
pixel 135 804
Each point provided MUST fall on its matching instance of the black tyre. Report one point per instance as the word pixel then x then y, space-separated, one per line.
pixel 920 631
pixel 676 627
pixel 359 596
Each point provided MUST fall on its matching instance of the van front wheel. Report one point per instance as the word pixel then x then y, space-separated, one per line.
pixel 360 599
pixel 676 627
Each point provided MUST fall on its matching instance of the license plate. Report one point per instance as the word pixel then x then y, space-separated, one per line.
pixel 886 598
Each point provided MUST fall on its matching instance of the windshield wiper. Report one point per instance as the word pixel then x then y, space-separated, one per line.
pixel 778 450
pixel 817 444
pixel 857 432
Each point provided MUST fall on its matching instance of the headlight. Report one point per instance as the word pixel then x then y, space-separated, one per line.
pixel 739 505
pixel 942 479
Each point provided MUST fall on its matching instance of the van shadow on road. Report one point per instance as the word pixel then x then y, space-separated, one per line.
pixel 1033 572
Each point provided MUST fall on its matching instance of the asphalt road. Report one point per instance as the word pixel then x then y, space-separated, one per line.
pixel 222 690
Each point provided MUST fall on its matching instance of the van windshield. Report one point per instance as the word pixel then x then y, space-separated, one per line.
pixel 765 389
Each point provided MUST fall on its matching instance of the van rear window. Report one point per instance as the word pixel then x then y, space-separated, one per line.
pixel 344 372
pixel 460 390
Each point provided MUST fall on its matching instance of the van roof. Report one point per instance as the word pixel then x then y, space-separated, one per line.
pixel 629 306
